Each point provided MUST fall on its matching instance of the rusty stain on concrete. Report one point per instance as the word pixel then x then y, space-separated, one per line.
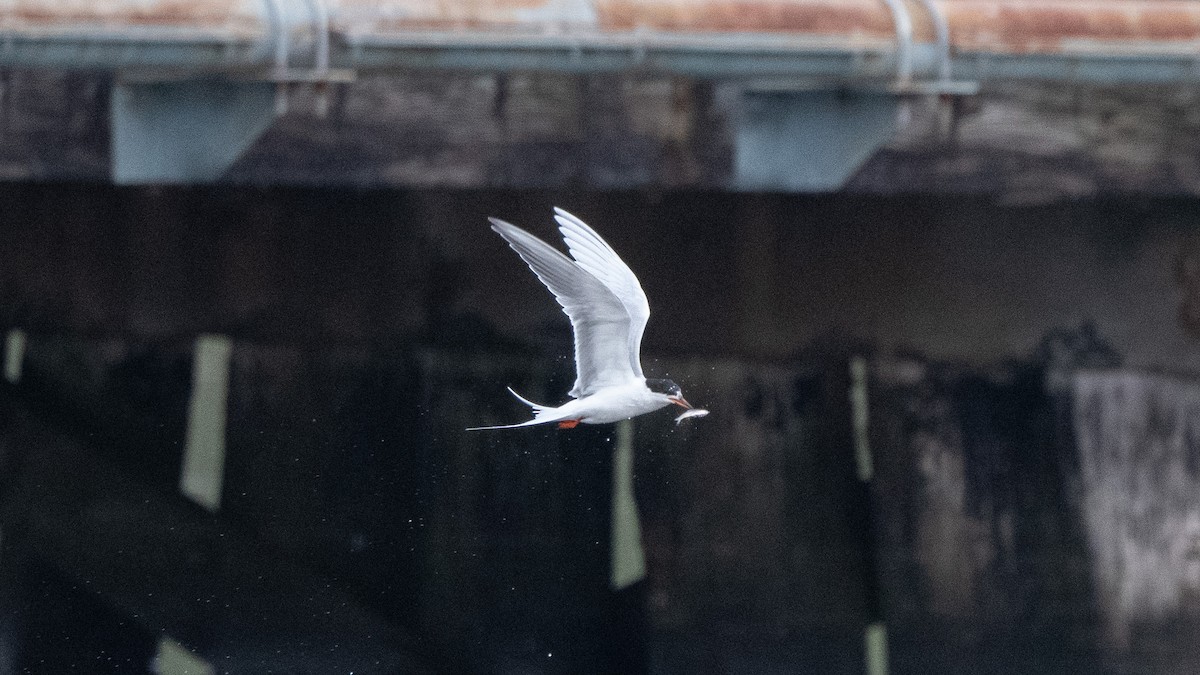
pixel 237 15
pixel 997 26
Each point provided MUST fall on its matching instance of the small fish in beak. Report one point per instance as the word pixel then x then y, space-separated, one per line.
pixel 691 412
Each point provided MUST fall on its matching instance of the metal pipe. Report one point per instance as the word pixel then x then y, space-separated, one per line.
pixel 904 40
pixel 1077 40
pixel 280 41
pixel 321 60
pixel 941 31
pixel 321 30
pixel 279 35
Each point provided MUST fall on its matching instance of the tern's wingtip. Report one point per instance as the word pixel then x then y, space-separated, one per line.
pixel 560 213
pixel 501 226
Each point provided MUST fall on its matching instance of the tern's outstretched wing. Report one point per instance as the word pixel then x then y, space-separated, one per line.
pixel 601 322
pixel 595 255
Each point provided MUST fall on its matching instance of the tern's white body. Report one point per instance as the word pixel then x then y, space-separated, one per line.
pixel 610 404
pixel 608 312
pixel 613 404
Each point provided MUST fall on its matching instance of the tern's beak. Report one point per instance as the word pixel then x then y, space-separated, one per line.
pixel 680 401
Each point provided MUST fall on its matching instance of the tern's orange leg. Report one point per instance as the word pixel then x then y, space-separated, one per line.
pixel 568 424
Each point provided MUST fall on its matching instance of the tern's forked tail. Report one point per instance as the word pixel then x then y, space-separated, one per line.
pixel 537 407
pixel 542 414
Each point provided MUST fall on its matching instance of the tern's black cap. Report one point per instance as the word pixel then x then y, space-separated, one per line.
pixel 665 387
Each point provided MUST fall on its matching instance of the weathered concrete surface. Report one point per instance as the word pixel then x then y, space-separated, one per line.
pixel 757 275
pixel 982 557
pixel 1020 143
pixel 1037 520
pixel 1030 144
pixel 1136 436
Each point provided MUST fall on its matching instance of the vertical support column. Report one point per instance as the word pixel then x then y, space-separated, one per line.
pixel 14 355
pixel 860 418
pixel 875 649
pixel 628 559
pixel 185 132
pixel 808 141
pixel 175 659
pixel 14 361
pixel 875 638
pixel 204 452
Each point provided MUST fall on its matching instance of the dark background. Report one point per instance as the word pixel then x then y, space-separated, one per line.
pixel 1032 421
